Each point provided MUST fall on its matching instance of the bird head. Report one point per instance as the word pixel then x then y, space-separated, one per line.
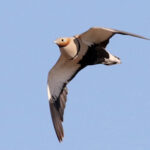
pixel 67 46
pixel 62 42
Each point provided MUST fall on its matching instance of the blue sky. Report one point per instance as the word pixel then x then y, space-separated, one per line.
pixel 107 108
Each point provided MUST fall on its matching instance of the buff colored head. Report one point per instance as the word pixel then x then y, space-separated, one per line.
pixel 62 42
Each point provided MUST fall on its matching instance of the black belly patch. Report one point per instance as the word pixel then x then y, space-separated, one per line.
pixel 95 54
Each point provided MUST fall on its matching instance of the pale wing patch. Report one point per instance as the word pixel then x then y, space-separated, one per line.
pixel 48 92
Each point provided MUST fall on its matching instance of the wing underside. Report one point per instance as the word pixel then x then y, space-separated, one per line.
pixel 97 35
pixel 58 77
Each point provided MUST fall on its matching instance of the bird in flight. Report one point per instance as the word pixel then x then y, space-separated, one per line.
pixel 77 52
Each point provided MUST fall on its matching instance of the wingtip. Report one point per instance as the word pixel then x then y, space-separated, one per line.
pixel 147 39
pixel 60 138
pixel 57 122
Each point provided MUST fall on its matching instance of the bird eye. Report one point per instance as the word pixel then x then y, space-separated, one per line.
pixel 62 40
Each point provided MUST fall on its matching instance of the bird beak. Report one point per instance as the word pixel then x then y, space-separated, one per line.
pixel 55 42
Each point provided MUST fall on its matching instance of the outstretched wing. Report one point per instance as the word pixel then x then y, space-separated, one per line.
pixel 58 77
pixel 97 35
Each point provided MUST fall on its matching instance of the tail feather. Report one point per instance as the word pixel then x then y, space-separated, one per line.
pixel 112 60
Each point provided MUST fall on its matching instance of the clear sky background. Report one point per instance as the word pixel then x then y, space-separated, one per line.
pixel 108 108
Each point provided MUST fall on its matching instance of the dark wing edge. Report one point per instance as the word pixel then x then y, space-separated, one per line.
pixel 57 110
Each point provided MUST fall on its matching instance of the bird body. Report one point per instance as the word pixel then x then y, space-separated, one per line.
pixel 77 52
